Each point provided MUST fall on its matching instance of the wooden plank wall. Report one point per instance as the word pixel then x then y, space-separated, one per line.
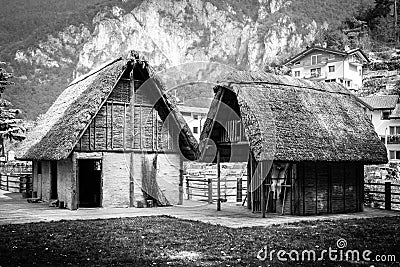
pixel 328 188
pixel 113 129
pixel 234 132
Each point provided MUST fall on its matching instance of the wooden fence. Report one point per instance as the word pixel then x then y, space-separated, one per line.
pixel 385 195
pixel 205 188
pixel 16 178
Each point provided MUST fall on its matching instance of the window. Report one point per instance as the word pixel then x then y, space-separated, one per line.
pixel 316 59
pixel 385 114
pixel 186 114
pixel 316 72
pixel 394 130
pixel 330 80
pixel 347 83
pixel 195 130
pixel 394 154
pixel 360 72
pixel 297 63
pixel 331 68
pixel 297 73
pixel 195 116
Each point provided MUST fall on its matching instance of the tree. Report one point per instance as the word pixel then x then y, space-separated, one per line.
pixel 10 124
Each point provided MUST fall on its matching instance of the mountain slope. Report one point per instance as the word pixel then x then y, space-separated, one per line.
pixel 48 42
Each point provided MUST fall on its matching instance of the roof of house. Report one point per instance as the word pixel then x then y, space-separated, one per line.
pixel 328 50
pixel 292 119
pixel 381 101
pixel 183 108
pixel 60 128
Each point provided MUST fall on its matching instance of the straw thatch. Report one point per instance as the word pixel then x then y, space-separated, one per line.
pixel 292 119
pixel 57 132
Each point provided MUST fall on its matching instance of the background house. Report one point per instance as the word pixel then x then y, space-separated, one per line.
pixel 384 111
pixel 306 142
pixel 112 138
pixel 323 64
pixel 194 117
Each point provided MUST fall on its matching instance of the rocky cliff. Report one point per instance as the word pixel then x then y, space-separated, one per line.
pixel 167 33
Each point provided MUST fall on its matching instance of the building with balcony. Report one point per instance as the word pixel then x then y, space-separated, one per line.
pixel 384 111
pixel 323 64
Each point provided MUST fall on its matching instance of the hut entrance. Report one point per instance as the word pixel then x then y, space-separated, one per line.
pixel 89 176
pixel 53 180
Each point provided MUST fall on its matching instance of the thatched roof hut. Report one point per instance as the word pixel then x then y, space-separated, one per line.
pixel 60 128
pixel 290 119
pixel 107 136
pixel 305 142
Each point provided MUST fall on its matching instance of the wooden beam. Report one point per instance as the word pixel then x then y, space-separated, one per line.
pixel 262 190
pixel 112 122
pixel 90 141
pixel 124 129
pixel 106 105
pixel 94 133
pixel 74 183
pixel 180 201
pixel 140 127
pixel 218 180
pixel 132 181
pixel 344 187
pixel 316 187
pixel 249 174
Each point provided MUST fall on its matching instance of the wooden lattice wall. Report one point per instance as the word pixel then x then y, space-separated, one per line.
pixel 118 127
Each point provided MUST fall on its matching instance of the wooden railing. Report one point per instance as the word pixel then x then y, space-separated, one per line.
pixel 205 188
pixel 386 193
pixel 16 183
pixel 16 178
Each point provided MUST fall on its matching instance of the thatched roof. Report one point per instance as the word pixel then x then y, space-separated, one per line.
pixel 57 132
pixel 291 119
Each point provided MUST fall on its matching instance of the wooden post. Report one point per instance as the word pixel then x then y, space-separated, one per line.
pixel 187 188
pixel 388 196
pixel 249 174
pixel 132 181
pixel 74 183
pixel 106 128
pixel 239 193
pixel 263 197
pixel 218 180
pixel 210 191
pixel 180 201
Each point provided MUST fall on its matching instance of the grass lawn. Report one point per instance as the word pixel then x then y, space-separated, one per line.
pixel 152 241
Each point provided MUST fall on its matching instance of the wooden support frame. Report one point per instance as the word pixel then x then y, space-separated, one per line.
pixel 132 159
pixel 263 191
pixel 218 180
pixel 112 122
pixel 180 200
pixel 249 174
